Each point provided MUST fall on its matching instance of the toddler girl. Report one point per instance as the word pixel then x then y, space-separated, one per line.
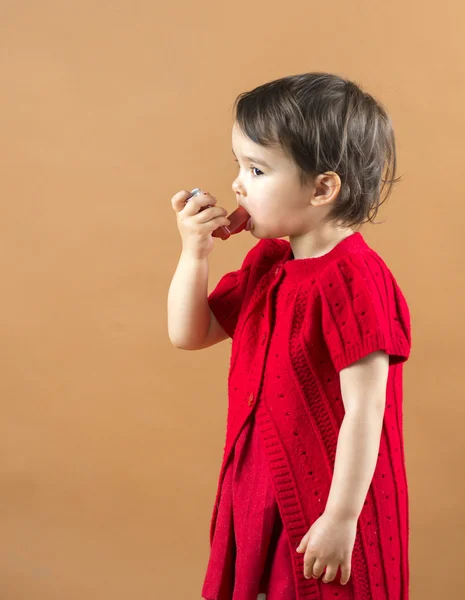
pixel 312 493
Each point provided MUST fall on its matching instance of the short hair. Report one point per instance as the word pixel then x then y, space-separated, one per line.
pixel 325 122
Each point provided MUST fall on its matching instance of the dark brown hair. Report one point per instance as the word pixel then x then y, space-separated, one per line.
pixel 325 122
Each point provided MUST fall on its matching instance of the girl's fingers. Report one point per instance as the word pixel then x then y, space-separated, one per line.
pixel 178 201
pixel 199 203
pixel 345 573
pixel 309 566
pixel 318 568
pixel 331 572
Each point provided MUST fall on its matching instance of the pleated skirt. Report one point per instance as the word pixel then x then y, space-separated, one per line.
pixel 250 552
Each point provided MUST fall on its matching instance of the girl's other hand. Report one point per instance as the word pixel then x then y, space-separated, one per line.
pixel 329 543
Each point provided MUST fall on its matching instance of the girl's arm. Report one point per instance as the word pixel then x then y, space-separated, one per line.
pixel 363 386
pixel 188 309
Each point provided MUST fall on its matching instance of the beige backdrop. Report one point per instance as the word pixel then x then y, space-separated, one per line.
pixel 111 439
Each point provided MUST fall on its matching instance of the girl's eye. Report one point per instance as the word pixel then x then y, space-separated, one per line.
pixel 252 168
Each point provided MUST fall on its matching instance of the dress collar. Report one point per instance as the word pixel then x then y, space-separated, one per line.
pixel 300 267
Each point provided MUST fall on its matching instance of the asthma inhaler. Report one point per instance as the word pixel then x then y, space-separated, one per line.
pixel 238 219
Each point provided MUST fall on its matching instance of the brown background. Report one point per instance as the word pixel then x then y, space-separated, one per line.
pixel 110 438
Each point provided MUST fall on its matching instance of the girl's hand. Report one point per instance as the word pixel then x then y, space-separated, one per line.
pixel 196 220
pixel 327 544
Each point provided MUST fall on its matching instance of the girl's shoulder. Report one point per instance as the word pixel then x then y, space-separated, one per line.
pixel 266 253
pixel 363 270
pixel 363 309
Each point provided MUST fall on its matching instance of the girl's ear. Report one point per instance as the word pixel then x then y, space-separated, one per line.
pixel 326 188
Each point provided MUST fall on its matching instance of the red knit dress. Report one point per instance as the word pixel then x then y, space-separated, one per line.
pixel 295 325
pixel 247 559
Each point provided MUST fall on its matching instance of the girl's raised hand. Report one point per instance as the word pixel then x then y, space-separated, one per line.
pixel 196 222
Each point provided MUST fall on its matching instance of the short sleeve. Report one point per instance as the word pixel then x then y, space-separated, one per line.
pixel 232 293
pixel 363 311
pixel 226 299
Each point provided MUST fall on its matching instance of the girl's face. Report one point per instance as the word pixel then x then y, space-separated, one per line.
pixel 268 187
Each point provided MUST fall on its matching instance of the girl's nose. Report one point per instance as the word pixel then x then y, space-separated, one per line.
pixel 237 187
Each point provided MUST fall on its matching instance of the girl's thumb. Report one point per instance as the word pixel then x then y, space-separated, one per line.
pixel 303 544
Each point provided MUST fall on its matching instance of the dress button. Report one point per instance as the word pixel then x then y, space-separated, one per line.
pixel 250 399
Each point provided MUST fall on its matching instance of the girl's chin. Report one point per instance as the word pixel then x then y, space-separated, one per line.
pixel 257 233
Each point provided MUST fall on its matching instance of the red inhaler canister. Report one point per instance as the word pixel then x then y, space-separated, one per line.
pixel 238 219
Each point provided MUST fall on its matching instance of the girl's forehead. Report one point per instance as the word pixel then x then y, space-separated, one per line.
pixel 246 147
